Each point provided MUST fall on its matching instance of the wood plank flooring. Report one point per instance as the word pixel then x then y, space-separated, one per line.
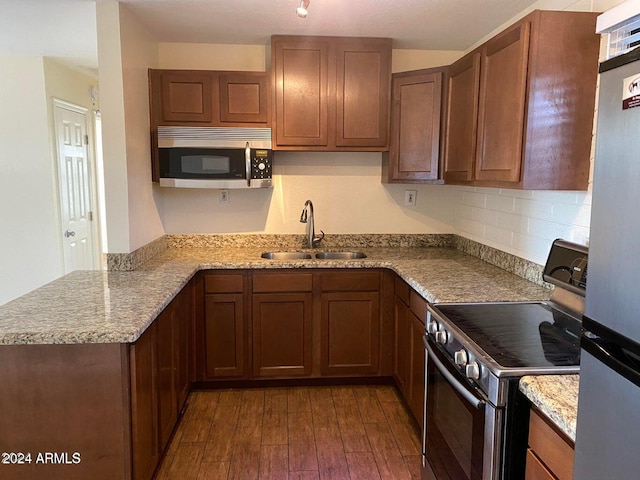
pixel 301 433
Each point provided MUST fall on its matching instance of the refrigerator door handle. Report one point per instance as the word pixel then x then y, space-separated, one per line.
pixel 615 356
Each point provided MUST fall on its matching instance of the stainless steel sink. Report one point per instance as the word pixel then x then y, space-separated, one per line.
pixel 340 255
pixel 286 255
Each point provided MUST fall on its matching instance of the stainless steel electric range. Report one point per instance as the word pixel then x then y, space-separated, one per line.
pixel 476 421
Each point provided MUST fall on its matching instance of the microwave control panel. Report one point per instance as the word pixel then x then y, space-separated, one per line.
pixel 261 163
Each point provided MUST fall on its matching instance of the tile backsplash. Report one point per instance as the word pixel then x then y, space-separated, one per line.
pixel 511 263
pixel 522 222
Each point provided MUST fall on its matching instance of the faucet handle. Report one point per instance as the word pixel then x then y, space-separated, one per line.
pixel 317 239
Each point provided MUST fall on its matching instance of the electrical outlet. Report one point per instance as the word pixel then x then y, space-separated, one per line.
pixel 224 196
pixel 410 198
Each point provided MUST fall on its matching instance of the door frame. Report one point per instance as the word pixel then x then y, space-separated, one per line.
pixel 57 103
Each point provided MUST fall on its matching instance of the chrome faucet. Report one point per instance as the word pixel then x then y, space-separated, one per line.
pixel 307 217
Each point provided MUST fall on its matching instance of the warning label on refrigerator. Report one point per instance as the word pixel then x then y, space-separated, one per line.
pixel 631 92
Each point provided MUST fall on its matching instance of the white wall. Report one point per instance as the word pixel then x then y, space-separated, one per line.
pixel 345 189
pixel 30 249
pixel 114 148
pixel 406 60
pixel 202 56
pixel 139 53
pixel 125 52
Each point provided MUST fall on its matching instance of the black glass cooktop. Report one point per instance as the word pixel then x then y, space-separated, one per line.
pixel 519 335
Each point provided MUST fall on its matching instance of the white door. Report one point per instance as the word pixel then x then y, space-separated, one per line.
pixel 75 186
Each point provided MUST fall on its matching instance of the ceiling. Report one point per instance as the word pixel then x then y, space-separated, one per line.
pixel 66 29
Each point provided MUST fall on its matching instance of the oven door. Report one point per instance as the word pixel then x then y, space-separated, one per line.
pixel 461 438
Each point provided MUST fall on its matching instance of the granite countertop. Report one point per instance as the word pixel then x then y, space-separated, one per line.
pixel 118 306
pixel 557 397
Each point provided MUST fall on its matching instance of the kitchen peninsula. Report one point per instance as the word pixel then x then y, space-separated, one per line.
pixel 66 347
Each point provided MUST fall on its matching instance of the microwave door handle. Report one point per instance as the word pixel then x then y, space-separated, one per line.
pixel 247 161
pixel 469 396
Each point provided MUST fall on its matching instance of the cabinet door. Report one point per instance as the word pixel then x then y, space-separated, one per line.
pixel 535 469
pixel 462 115
pixel 243 98
pixel 300 68
pixel 501 112
pixel 224 335
pixel 402 350
pixel 186 96
pixel 165 358
pixel 350 337
pixel 415 126
pixel 363 77
pixel 282 334
pixel 183 337
pixel 144 413
pixel 416 396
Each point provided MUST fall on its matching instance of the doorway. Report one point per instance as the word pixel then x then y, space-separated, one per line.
pixel 75 170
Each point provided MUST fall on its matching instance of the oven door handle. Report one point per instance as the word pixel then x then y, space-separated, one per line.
pixel 478 403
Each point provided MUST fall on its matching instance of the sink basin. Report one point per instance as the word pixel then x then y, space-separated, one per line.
pixel 340 255
pixel 286 255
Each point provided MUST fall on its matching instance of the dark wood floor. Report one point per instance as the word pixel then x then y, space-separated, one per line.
pixel 359 432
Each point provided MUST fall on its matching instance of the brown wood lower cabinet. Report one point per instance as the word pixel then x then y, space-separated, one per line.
pixel 282 334
pixel 165 374
pixel 282 314
pixel 409 358
pixel 350 322
pixel 223 331
pixel 402 336
pixel 144 405
pixel 350 328
pixel 550 453
pixel 416 385
pixel 160 381
pixel 293 323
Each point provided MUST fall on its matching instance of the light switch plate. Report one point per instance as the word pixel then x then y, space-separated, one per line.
pixel 410 198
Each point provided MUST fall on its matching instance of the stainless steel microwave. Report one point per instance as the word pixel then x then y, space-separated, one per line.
pixel 215 157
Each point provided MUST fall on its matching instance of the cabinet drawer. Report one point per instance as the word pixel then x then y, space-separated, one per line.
pixel 535 468
pixel 550 447
pixel 223 283
pixel 418 306
pixel 282 282
pixel 350 281
pixel 402 290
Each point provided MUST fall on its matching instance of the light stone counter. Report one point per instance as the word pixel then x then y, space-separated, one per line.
pixel 557 397
pixel 117 306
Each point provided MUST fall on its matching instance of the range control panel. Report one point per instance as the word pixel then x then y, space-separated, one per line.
pixel 567 266
pixel 261 163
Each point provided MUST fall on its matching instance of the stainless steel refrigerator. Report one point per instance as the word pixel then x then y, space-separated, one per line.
pixel 608 429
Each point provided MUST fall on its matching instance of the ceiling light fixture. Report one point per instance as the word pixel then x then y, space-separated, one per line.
pixel 303 10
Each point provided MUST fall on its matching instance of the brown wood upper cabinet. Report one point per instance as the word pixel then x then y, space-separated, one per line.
pixel 209 98
pixel 520 107
pixel 416 111
pixel 331 93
